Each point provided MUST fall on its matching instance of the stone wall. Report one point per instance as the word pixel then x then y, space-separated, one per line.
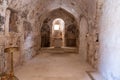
pixel 89 42
pixel 3 6
pixel 92 34
pixel 110 40
pixel 2 55
pixel 14 23
pixel 29 36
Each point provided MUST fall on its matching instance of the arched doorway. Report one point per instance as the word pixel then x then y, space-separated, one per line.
pixel 45 35
pixel 58 32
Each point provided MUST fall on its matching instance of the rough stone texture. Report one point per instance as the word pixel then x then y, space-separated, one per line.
pixel 92 36
pixel 3 6
pixel 110 40
pixel 2 55
pixel 89 41
pixel 75 7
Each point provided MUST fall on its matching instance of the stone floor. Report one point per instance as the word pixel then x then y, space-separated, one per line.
pixel 54 66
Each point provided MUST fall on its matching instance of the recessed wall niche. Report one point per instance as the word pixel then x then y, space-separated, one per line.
pixel 45 35
pixel 70 35
pixel 13 22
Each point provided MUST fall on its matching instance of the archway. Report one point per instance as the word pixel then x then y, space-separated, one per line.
pixel 58 32
pixel 60 17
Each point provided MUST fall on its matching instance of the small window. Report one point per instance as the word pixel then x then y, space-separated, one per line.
pixel 56 27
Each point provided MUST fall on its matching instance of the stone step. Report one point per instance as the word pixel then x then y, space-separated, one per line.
pixel 59 50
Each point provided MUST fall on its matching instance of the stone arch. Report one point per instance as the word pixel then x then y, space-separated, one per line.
pixel 58 34
pixel 44 16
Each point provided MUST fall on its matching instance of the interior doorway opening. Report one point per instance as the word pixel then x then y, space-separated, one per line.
pixel 58 25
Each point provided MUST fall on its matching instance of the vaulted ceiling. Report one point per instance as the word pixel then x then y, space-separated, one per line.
pixel 39 7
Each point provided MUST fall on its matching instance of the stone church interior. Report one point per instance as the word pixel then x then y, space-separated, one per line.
pixel 59 39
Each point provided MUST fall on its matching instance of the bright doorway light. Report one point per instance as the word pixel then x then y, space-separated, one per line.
pixel 56 27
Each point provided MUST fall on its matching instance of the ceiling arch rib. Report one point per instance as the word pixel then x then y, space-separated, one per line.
pixel 67 9
pixel 54 11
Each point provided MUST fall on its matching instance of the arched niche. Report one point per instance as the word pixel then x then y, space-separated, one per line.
pixel 13 22
pixel 45 35
pixel 70 35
